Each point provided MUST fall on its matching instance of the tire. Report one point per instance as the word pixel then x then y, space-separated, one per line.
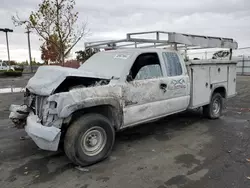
pixel 80 144
pixel 211 111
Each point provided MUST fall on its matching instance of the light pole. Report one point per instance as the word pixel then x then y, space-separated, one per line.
pixel 6 30
pixel 28 33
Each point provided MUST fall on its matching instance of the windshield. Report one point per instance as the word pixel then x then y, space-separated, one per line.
pixel 107 63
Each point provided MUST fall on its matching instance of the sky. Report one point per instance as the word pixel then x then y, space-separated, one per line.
pixel 112 19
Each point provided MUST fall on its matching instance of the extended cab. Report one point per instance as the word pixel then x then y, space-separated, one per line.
pixel 116 89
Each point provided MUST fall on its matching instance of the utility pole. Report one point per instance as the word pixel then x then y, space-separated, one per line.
pixel 243 64
pixel 6 30
pixel 186 57
pixel 28 34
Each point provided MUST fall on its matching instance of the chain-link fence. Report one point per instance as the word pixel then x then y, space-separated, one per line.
pixel 243 66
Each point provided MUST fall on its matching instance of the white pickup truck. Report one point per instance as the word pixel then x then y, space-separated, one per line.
pixel 5 67
pixel 116 89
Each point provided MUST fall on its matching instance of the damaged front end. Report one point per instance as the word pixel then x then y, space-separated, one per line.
pixel 39 120
pixel 19 113
pixel 39 114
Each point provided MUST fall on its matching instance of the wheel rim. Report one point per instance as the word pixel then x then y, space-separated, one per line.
pixel 216 106
pixel 93 141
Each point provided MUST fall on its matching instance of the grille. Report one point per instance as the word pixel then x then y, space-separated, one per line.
pixel 39 102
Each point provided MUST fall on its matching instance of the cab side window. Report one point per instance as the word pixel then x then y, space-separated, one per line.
pixel 172 63
pixel 146 66
pixel 149 72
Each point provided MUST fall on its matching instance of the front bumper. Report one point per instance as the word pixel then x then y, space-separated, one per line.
pixel 46 138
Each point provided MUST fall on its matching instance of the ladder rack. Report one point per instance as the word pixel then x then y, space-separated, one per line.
pixel 165 39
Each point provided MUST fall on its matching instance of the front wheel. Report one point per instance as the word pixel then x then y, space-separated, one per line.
pixel 214 109
pixel 89 139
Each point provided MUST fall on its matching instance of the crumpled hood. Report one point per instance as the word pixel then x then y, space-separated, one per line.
pixel 48 78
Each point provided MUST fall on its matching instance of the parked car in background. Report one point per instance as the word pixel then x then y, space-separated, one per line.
pixel 5 67
pixel 18 68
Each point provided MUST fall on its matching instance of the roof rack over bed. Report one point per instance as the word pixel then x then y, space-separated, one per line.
pixel 181 40
pixel 178 41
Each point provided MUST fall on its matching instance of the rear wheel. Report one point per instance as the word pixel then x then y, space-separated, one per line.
pixel 214 109
pixel 89 139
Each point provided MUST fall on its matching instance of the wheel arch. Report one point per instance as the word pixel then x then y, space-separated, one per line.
pixel 108 107
pixel 221 90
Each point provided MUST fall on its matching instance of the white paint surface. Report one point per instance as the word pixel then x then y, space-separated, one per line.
pixel 48 78
pixel 208 76
pixel 46 138
pixel 147 101
pixel 231 80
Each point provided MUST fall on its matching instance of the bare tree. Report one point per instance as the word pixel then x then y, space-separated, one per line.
pixel 55 18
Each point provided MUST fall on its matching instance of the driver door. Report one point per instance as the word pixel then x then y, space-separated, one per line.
pixel 153 93
pixel 143 95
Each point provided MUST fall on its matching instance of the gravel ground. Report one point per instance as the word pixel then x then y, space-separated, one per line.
pixel 184 150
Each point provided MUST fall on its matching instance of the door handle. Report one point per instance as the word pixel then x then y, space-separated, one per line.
pixel 163 87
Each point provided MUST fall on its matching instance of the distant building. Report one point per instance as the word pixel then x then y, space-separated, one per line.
pixel 70 63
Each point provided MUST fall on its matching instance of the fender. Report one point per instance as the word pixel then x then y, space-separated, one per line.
pixel 117 111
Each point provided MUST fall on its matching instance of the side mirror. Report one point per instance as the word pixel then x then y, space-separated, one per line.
pixel 129 78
